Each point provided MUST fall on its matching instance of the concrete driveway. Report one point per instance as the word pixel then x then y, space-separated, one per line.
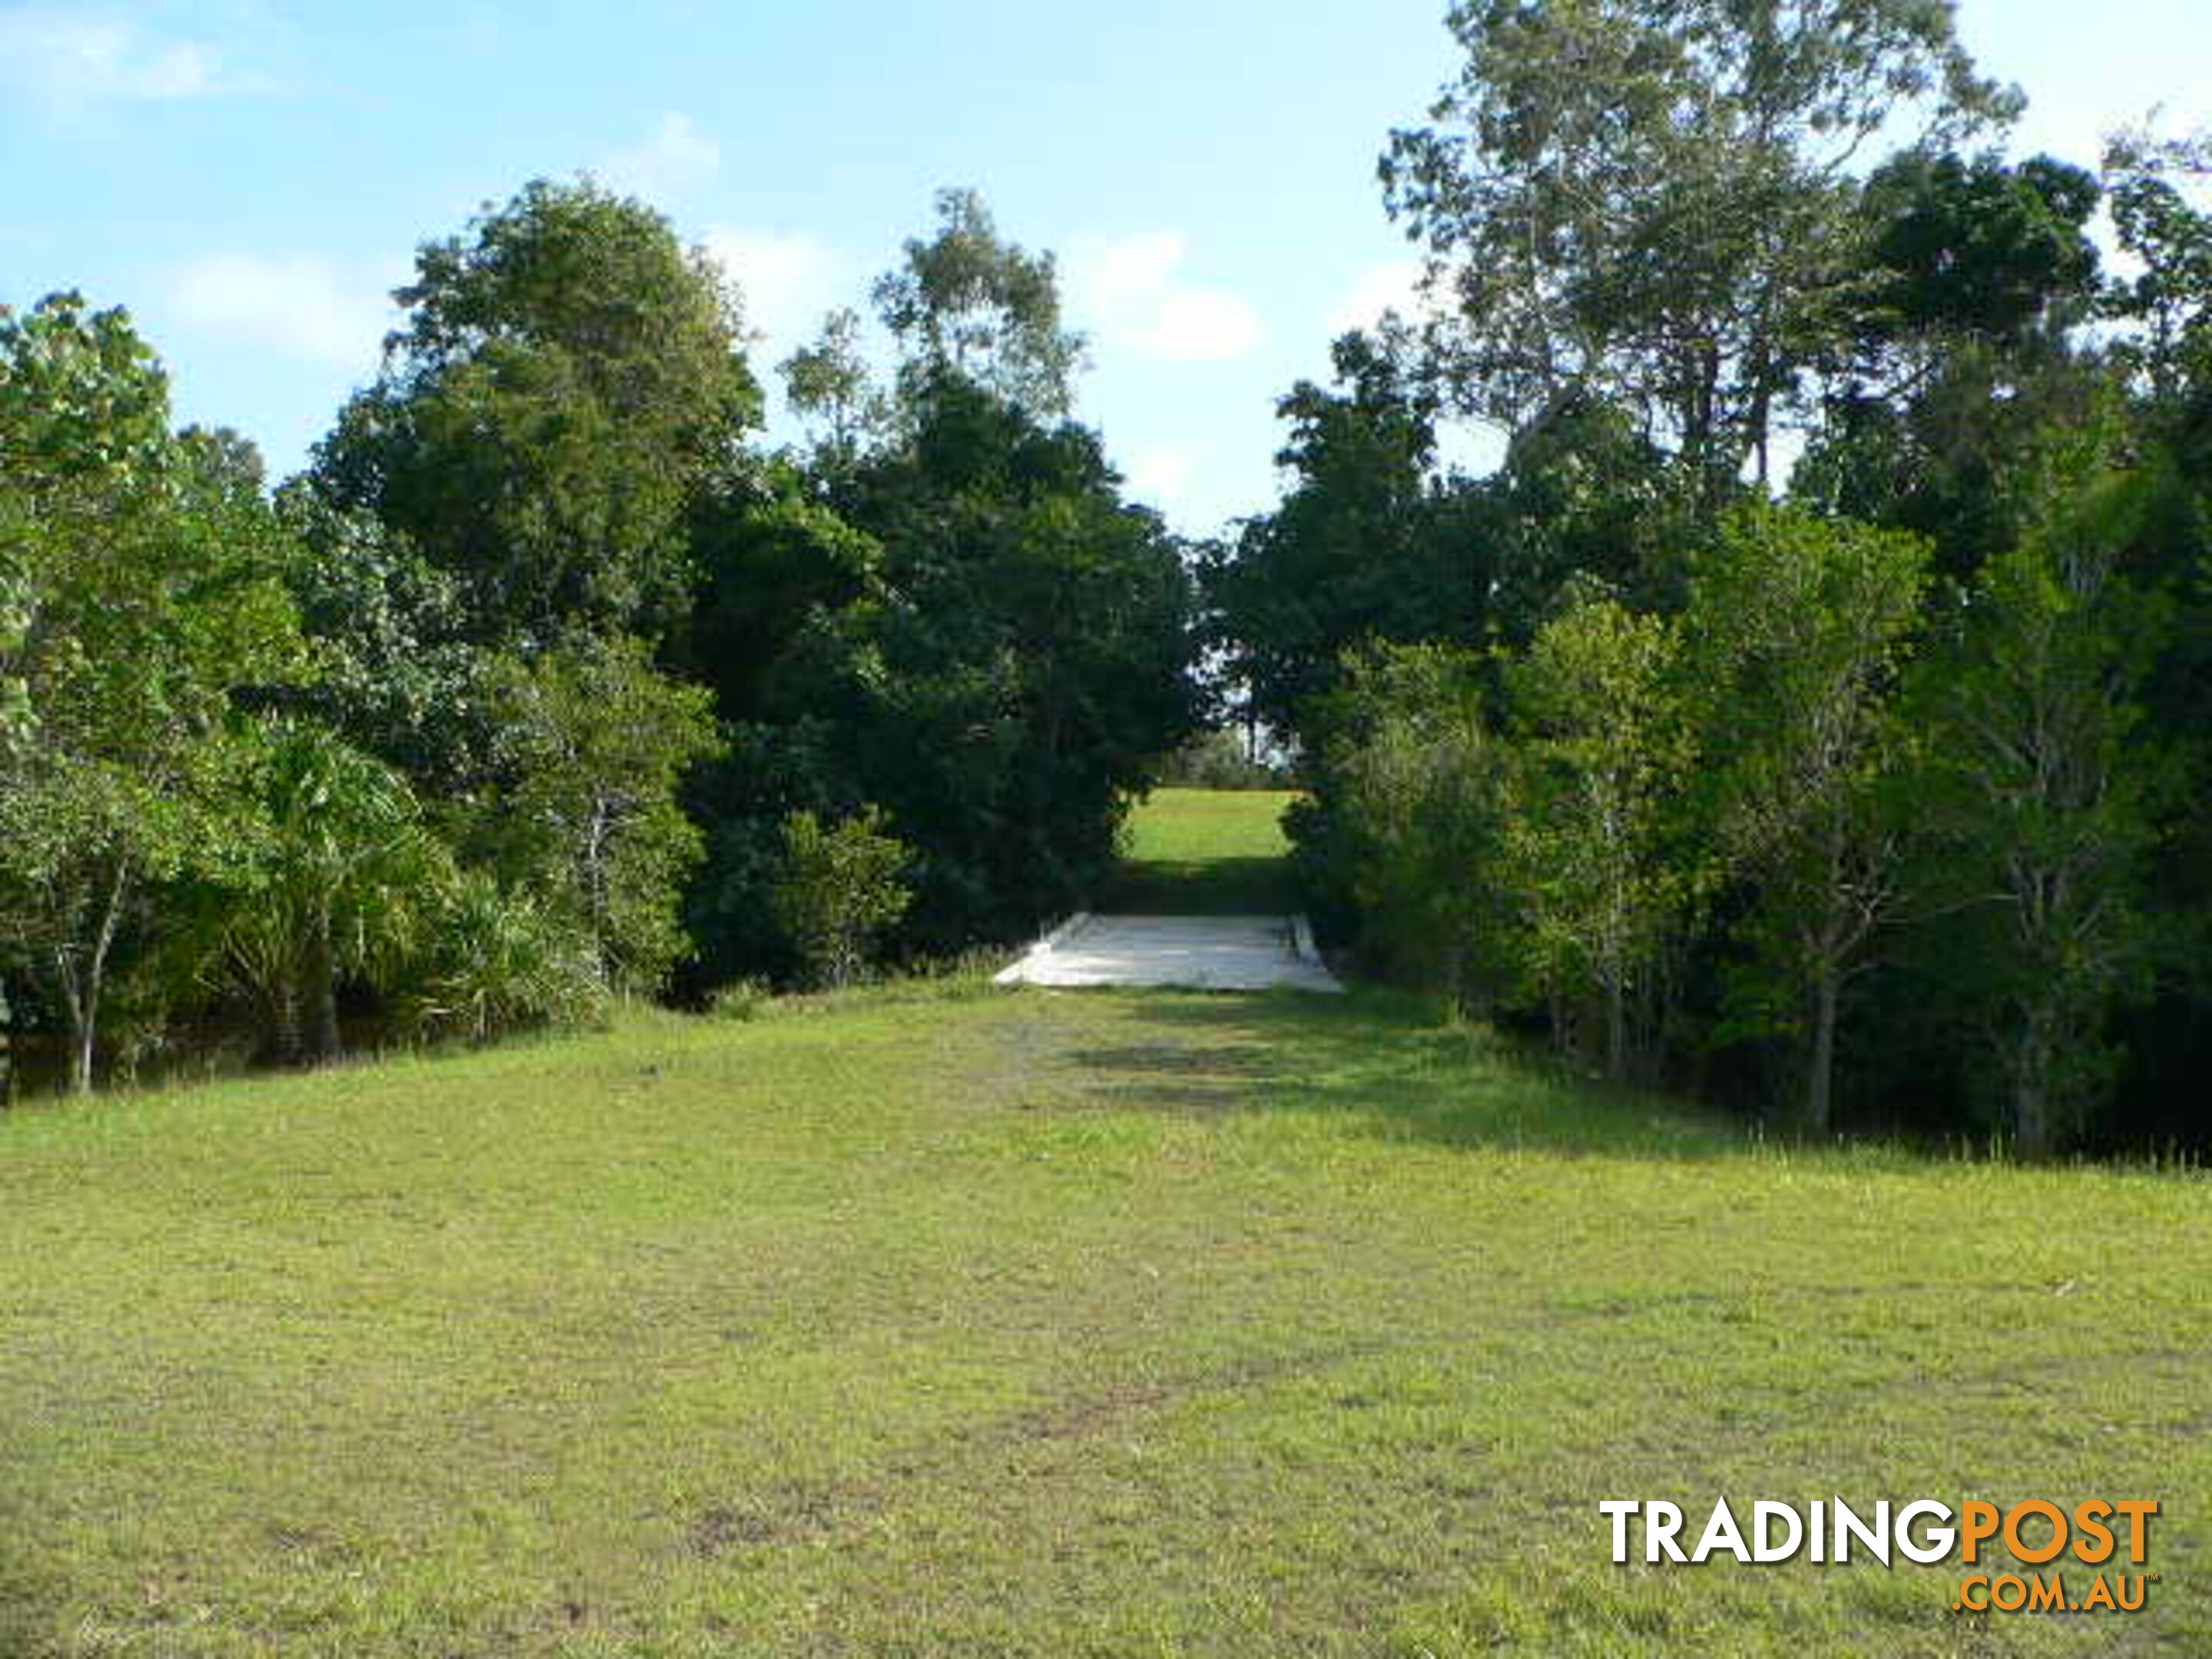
pixel 1202 953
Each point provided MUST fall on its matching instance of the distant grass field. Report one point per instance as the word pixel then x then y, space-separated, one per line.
pixel 938 1320
pixel 1205 852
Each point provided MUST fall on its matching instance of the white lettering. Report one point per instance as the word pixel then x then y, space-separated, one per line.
pixel 1763 1548
pixel 1721 1533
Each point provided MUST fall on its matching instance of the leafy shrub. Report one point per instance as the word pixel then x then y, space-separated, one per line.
pixel 502 963
pixel 840 888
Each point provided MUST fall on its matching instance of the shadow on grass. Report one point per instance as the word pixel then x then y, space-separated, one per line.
pixel 1201 887
pixel 1396 1063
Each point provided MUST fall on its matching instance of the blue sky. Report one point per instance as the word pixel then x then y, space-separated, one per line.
pixel 250 178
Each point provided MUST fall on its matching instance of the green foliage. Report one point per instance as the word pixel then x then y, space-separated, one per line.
pixel 338 884
pixel 770 563
pixel 840 891
pixel 828 384
pixel 588 818
pixel 140 575
pixel 498 960
pixel 1422 791
pixel 2169 237
pixel 740 1000
pixel 394 671
pixel 1607 745
pixel 1367 545
pixel 1221 759
pixel 1978 248
pixel 968 303
pixel 982 637
pixel 2050 798
pixel 1799 629
pixel 1651 201
pixel 536 574
pixel 568 383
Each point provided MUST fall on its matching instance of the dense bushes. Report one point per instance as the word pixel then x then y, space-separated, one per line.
pixel 1866 808
pixel 539 688
pixel 1878 817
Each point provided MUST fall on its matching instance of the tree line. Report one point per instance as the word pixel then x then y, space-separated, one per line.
pixel 547 681
pixel 1809 709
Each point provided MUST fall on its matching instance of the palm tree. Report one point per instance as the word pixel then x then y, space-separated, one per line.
pixel 340 873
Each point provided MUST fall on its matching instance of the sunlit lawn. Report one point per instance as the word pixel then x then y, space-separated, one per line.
pixel 1205 852
pixel 940 1320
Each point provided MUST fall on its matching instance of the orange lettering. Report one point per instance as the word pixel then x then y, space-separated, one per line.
pixel 1978 1521
pixel 2138 1511
pixel 2035 1506
pixel 2088 1521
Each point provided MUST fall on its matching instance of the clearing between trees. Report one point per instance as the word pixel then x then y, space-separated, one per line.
pixel 933 1318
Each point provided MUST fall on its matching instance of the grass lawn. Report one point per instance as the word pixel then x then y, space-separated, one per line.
pixel 941 1320
pixel 1205 852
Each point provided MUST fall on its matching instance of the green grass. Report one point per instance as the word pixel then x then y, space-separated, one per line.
pixel 936 1320
pixel 1204 852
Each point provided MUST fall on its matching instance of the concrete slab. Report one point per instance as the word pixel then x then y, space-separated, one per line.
pixel 1203 953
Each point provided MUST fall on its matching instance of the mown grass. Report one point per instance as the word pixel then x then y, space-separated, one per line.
pixel 937 1320
pixel 1204 852
pixel 1046 1324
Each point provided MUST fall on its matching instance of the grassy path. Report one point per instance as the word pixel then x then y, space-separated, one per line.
pixel 936 1320
pixel 1206 852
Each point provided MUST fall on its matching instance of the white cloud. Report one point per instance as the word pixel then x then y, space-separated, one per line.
pixel 788 280
pixel 302 306
pixel 1387 285
pixel 70 61
pixel 1161 474
pixel 678 157
pixel 1128 293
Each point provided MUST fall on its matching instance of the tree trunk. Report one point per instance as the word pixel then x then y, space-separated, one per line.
pixel 83 992
pixel 2031 1119
pixel 1820 1081
pixel 2030 1097
pixel 323 1041
pixel 1616 1029
pixel 285 1046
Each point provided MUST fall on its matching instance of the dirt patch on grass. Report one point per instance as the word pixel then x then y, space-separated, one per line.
pixel 785 1514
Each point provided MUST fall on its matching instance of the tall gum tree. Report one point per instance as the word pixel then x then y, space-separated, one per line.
pixel 1652 200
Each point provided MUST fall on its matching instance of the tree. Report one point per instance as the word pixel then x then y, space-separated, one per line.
pixel 569 382
pixel 828 382
pixel 1606 749
pixel 141 575
pixel 1418 791
pixel 971 304
pixel 340 884
pixel 2052 802
pixel 1027 666
pixel 1976 249
pixel 2170 238
pixel 499 959
pixel 396 673
pixel 1368 544
pixel 840 891
pixel 588 818
pixel 769 560
pixel 1799 627
pixel 1977 276
pixel 1651 201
